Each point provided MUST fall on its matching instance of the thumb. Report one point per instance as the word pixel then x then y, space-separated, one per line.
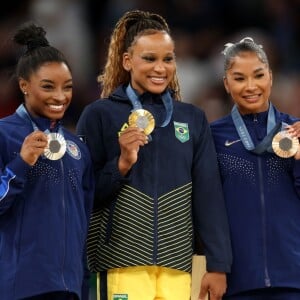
pixel 203 292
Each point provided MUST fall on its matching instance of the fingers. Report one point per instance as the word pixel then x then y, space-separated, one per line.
pixel 132 139
pixel 294 129
pixel 133 135
pixel 213 283
pixel 130 142
pixel 33 146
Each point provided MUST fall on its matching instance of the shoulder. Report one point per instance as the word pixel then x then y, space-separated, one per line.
pixel 287 118
pixel 226 120
pixel 222 126
pixel 11 122
pixel 11 119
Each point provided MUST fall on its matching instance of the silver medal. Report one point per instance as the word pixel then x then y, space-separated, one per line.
pixel 56 146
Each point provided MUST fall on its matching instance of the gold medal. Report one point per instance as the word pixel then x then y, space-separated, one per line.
pixel 142 118
pixel 56 146
pixel 284 145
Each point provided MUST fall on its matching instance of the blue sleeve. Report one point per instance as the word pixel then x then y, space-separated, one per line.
pixel 108 179
pixel 297 176
pixel 12 180
pixel 89 189
pixel 209 211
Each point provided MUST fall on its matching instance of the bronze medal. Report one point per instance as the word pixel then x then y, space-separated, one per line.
pixel 56 146
pixel 142 118
pixel 284 145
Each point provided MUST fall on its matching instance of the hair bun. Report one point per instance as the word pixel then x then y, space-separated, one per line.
pixel 36 43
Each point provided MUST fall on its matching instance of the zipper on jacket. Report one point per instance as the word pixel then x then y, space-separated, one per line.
pixel 263 208
pixel 65 227
pixel 155 202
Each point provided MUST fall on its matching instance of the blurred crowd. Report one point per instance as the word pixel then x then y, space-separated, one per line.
pixel 81 29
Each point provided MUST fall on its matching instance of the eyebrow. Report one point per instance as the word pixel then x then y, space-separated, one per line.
pixel 51 81
pixel 255 71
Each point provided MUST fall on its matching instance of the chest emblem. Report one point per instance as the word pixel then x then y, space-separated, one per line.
pixel 73 150
pixel 182 131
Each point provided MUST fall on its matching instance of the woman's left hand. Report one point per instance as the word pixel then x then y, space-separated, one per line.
pixel 213 283
pixel 294 130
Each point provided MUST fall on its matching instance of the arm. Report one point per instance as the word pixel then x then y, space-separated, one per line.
pixel 88 189
pixel 12 180
pixel 209 212
pixel 108 179
pixel 294 130
pixel 113 159
pixel 13 174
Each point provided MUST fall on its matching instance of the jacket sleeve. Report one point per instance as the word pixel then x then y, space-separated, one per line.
pixel 296 172
pixel 209 211
pixel 12 180
pixel 108 179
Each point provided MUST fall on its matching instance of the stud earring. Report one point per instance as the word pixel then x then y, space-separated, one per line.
pixel 24 92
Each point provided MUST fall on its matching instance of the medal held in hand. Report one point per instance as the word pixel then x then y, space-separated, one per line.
pixel 56 146
pixel 284 145
pixel 142 118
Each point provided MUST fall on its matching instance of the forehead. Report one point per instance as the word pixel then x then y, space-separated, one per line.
pixel 52 70
pixel 154 42
pixel 247 60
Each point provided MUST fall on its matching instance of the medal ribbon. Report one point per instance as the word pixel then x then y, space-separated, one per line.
pixel 58 137
pixel 265 144
pixel 166 98
pixel 23 113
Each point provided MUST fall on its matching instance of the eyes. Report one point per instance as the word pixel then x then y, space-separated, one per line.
pixel 152 58
pixel 51 87
pixel 241 78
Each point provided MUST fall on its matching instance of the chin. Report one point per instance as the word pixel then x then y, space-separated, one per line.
pixel 55 116
pixel 157 90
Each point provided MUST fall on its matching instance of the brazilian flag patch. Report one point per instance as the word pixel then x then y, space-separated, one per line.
pixel 120 296
pixel 182 131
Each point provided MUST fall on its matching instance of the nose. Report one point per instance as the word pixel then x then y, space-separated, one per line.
pixel 159 67
pixel 250 84
pixel 59 94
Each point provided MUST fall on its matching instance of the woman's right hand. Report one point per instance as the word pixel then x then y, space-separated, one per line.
pixel 130 140
pixel 33 146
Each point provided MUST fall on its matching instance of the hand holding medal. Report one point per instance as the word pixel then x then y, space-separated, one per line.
pixel 286 142
pixel 294 130
pixel 33 147
pixel 56 147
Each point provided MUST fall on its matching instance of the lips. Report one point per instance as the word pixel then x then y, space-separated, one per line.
pixel 252 98
pixel 158 80
pixel 56 108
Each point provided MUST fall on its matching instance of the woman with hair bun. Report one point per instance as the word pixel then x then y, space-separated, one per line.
pixel 46 182
pixel 158 184
pixel 259 159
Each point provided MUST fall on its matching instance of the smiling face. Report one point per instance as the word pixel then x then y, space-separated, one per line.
pixel 249 82
pixel 151 62
pixel 48 92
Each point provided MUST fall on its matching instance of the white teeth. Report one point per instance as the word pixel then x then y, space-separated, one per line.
pixel 56 107
pixel 157 79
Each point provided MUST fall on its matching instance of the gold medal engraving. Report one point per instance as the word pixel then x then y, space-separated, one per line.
pixel 284 145
pixel 56 146
pixel 142 118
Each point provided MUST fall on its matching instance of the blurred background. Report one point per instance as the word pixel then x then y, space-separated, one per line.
pixel 81 29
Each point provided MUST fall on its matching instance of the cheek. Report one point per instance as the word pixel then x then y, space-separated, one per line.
pixel 171 68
